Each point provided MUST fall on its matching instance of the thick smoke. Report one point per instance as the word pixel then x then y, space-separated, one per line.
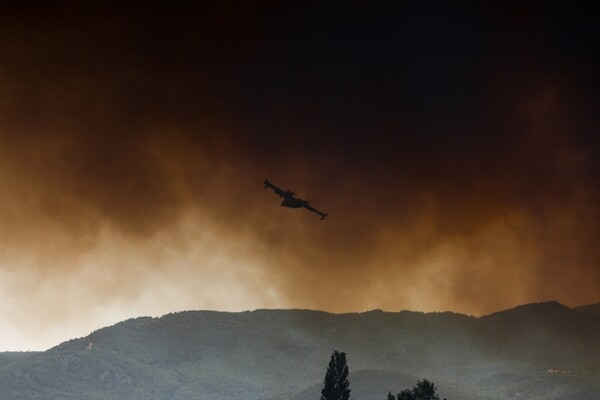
pixel 133 147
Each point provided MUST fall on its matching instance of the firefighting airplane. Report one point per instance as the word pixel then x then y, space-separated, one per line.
pixel 290 199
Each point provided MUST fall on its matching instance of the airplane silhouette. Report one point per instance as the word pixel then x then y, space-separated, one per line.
pixel 290 199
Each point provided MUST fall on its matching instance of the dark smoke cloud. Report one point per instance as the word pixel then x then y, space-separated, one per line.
pixel 459 164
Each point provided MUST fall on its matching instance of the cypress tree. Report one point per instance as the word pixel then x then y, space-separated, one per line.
pixel 336 385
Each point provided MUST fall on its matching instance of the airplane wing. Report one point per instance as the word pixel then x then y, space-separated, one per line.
pixel 277 190
pixel 311 208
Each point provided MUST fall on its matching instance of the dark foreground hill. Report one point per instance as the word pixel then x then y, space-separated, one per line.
pixel 592 309
pixel 537 351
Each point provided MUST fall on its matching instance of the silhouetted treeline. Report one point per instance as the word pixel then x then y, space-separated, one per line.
pixel 337 387
pixel 423 390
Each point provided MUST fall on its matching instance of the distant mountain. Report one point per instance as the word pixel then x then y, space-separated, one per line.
pixel 8 357
pixel 532 328
pixel 535 351
pixel 592 309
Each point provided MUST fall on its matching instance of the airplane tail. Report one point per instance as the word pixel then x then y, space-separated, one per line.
pixel 323 215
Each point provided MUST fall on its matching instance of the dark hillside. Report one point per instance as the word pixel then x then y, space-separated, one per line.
pixel 9 357
pixel 591 309
pixel 539 351
pixel 542 334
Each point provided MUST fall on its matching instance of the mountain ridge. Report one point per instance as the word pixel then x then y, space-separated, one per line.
pixel 591 309
pixel 271 354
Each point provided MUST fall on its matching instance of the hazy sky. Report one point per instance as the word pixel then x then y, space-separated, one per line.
pixel 455 147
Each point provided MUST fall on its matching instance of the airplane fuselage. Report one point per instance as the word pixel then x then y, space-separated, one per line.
pixel 290 200
pixel 293 202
